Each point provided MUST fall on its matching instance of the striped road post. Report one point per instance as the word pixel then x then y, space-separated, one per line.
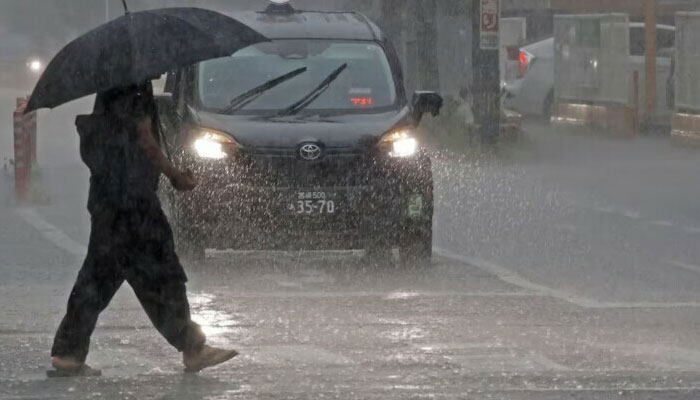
pixel 24 146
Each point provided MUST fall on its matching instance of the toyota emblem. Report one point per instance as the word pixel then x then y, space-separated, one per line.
pixel 310 152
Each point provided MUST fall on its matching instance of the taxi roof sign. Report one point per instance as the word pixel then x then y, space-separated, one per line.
pixel 279 7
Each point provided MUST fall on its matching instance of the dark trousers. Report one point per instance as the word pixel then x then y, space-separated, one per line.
pixel 137 247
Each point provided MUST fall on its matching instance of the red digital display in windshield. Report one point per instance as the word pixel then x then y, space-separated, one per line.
pixel 362 101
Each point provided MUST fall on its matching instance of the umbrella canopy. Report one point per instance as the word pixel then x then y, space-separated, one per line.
pixel 138 47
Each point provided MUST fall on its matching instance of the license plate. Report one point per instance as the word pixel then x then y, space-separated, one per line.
pixel 314 203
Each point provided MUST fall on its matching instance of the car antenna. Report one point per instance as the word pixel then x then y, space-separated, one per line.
pixel 126 8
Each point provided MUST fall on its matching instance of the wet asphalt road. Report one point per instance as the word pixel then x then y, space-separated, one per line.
pixel 568 271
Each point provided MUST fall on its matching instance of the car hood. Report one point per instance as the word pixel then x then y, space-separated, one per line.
pixel 342 131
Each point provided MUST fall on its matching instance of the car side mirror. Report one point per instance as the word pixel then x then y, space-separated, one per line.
pixel 425 102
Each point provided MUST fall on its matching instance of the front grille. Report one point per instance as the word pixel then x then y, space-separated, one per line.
pixel 283 170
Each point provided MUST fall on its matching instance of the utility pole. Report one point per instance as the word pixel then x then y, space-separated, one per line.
pixel 486 77
pixel 392 20
pixel 392 24
pixel 427 41
pixel 412 52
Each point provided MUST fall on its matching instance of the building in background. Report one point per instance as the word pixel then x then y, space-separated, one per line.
pixel 540 13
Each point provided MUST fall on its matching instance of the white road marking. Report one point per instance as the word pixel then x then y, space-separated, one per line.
pixel 51 233
pixel 63 241
pixel 513 278
pixel 670 358
pixel 607 210
pixel 491 357
pixel 688 267
pixel 628 213
pixel 383 295
pixel 330 254
pixel 662 223
pixel 647 304
pixel 631 214
pixel 433 347
pixel 548 362
pixel 618 392
pixel 402 295
pixel 507 362
pixel 290 285
pixel 294 354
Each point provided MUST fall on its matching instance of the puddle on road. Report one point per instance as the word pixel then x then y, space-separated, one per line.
pixel 219 326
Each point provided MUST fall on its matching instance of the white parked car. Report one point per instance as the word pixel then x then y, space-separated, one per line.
pixel 533 92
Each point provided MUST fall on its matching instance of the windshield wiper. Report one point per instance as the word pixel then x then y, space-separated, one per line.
pixel 246 98
pixel 313 95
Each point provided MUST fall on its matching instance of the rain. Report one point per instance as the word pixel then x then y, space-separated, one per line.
pixel 349 199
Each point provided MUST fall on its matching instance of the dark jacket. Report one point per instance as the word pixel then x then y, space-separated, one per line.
pixel 121 176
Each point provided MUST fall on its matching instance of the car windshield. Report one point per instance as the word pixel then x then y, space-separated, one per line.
pixel 367 84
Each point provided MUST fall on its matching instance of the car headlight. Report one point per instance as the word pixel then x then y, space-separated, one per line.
pixel 212 144
pixel 401 143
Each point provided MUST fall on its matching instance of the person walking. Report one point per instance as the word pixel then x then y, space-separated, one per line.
pixel 131 239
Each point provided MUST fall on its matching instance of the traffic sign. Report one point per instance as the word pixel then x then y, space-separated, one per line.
pixel 490 17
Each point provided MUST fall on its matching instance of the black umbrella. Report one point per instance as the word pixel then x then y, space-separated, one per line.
pixel 138 47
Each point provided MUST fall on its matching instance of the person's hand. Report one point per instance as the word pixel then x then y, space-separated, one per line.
pixel 184 181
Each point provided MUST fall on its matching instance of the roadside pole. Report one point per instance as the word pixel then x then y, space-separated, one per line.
pixel 486 86
pixel 392 20
pixel 22 139
pixel 25 159
pixel 427 41
pixel 650 62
